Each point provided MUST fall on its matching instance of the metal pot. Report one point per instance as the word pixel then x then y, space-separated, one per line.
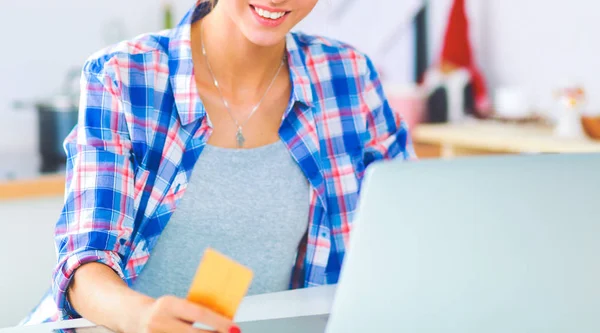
pixel 55 121
pixel 57 117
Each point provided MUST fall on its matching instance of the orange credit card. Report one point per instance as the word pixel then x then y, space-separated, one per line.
pixel 220 283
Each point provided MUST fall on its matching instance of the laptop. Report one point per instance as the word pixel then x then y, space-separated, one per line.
pixel 481 245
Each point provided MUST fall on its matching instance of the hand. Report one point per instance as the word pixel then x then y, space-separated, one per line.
pixel 170 314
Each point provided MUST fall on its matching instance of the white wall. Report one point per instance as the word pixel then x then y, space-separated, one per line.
pixel 44 39
pixel 338 19
pixel 27 255
pixel 539 45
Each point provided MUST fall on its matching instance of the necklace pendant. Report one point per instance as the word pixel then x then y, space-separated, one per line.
pixel 239 136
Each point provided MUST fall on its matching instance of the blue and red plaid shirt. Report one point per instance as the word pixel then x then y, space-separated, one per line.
pixel 142 127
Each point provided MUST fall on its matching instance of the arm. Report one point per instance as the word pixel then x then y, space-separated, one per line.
pixel 104 298
pixel 93 235
pixel 388 136
pixel 97 219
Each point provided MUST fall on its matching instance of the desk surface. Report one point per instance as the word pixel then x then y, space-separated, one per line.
pixel 294 311
pixel 501 138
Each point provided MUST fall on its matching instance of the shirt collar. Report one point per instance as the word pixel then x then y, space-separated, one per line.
pixel 181 68
pixel 301 83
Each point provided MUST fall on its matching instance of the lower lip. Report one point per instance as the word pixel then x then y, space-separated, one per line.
pixel 268 22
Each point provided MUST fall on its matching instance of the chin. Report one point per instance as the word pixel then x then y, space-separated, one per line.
pixel 266 39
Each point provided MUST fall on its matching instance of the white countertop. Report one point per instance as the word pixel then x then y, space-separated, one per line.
pixel 295 311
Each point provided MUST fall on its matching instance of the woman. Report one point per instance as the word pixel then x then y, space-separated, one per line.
pixel 268 134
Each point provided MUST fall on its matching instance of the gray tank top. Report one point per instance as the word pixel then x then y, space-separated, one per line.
pixel 249 204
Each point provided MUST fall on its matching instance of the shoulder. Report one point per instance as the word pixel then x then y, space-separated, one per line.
pixel 129 55
pixel 340 57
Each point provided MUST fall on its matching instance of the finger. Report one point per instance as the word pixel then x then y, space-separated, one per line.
pixel 192 313
pixel 178 326
pixel 171 326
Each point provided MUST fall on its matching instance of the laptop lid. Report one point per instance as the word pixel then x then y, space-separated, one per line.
pixel 495 244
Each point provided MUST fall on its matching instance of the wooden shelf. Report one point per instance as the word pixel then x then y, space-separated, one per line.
pixel 43 186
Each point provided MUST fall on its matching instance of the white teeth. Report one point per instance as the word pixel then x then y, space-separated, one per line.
pixel 267 14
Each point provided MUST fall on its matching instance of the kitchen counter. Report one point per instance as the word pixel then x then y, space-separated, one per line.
pixel 20 177
pixel 489 137
pixel 35 187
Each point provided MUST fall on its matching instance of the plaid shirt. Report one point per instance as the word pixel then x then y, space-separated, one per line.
pixel 142 127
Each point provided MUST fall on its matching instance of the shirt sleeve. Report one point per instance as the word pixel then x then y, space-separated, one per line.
pixel 97 218
pixel 388 135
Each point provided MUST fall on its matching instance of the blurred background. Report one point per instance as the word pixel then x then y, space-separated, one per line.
pixel 524 50
pixel 471 77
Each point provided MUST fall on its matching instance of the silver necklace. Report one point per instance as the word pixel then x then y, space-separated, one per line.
pixel 239 135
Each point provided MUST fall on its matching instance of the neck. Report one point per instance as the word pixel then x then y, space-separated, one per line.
pixel 238 62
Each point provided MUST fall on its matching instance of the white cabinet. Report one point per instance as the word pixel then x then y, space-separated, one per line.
pixel 27 255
